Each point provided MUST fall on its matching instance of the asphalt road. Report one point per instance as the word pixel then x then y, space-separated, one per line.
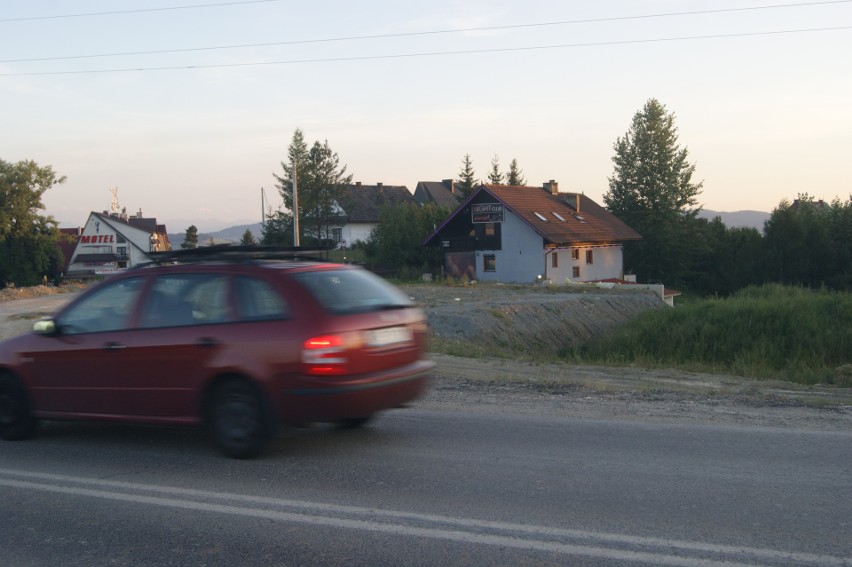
pixel 426 487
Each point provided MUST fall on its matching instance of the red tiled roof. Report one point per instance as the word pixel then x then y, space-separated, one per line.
pixel 583 220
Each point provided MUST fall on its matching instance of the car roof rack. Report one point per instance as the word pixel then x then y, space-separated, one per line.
pixel 229 253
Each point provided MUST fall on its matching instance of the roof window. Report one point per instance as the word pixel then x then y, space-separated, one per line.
pixel 557 215
pixel 541 216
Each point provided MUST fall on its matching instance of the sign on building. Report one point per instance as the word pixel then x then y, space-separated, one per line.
pixel 486 212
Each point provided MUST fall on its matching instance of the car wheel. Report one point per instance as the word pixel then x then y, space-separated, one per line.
pixel 236 419
pixel 353 422
pixel 16 416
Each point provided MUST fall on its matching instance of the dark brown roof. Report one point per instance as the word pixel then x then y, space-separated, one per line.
pixel 583 220
pixel 147 224
pixel 442 193
pixel 364 203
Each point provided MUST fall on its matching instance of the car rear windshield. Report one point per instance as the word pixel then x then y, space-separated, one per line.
pixel 352 291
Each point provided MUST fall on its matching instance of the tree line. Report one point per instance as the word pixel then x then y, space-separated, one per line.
pixel 805 242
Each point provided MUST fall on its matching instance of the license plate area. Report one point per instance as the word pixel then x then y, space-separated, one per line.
pixel 389 336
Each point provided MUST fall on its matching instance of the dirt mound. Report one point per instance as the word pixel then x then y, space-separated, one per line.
pixel 528 316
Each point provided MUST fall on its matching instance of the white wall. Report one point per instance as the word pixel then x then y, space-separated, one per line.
pixel 607 262
pixel 522 256
pixel 352 233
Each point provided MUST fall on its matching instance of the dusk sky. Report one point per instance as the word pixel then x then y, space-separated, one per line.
pixel 187 106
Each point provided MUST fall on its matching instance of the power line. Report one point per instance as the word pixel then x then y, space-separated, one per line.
pixel 431 53
pixel 423 33
pixel 139 10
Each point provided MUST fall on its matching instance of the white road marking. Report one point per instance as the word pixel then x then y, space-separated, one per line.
pixel 466 530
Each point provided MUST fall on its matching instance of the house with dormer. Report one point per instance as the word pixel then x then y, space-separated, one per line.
pixel 115 241
pixel 515 234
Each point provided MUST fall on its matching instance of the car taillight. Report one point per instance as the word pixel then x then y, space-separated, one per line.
pixel 327 355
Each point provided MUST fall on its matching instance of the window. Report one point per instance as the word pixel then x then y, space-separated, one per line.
pixel 575 272
pixel 589 257
pixel 344 292
pixel 489 229
pixel 557 215
pixel 258 301
pixel 575 253
pixel 489 263
pixel 105 310
pixel 540 216
pixel 121 251
pixel 186 299
pixel 554 260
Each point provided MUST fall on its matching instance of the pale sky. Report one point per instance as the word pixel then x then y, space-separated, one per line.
pixel 761 92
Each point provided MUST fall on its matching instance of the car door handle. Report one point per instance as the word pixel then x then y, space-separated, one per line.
pixel 207 342
pixel 114 346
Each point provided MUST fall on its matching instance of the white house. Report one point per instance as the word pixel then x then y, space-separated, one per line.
pixel 360 207
pixel 524 234
pixel 111 242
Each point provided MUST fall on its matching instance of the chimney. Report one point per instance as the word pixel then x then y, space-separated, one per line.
pixel 357 184
pixel 552 187
pixel 452 184
pixel 139 214
pixel 574 200
pixel 379 184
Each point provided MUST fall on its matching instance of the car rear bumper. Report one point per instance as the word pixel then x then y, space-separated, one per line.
pixel 319 399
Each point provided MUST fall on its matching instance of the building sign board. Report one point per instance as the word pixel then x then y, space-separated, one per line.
pixel 97 238
pixel 486 212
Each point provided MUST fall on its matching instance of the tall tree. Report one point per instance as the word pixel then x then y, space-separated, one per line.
pixel 495 177
pixel 652 191
pixel 515 176
pixel 320 180
pixel 30 241
pixel 190 239
pixel 467 177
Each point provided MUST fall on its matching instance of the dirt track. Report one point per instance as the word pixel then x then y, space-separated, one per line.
pixel 510 386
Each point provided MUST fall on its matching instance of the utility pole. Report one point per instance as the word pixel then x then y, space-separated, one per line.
pixel 295 206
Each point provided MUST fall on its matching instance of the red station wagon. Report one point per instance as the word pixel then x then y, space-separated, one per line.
pixel 235 338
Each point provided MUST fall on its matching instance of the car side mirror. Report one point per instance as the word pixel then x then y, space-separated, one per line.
pixel 45 327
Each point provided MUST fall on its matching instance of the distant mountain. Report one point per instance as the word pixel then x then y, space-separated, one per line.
pixel 735 219
pixel 230 235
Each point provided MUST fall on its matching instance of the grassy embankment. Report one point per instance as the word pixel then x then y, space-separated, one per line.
pixel 768 332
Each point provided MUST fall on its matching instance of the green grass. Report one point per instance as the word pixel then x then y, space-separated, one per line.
pixel 776 332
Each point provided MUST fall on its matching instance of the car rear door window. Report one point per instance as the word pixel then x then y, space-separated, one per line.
pixel 258 301
pixel 186 299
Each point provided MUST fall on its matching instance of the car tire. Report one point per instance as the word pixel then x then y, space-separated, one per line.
pixel 16 416
pixel 236 419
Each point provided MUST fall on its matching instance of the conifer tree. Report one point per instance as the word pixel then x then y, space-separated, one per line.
pixel 515 176
pixel 495 177
pixel 652 191
pixel 467 177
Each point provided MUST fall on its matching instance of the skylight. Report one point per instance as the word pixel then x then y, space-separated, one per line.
pixel 539 215
pixel 557 215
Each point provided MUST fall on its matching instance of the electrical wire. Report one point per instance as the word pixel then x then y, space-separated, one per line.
pixel 136 11
pixel 432 53
pixel 425 33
